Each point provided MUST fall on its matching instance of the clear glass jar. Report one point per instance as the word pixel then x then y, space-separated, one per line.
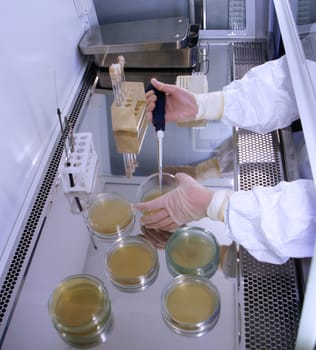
pixel 80 310
pixel 150 188
pixel 132 263
pixel 110 216
pixel 194 251
pixel 190 305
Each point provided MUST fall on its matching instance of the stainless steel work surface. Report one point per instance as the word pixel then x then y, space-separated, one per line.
pixel 65 248
pixel 137 320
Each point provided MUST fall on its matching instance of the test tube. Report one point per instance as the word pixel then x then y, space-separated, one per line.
pixel 121 61
pixel 116 80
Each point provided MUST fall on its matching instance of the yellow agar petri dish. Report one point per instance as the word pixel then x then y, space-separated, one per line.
pixel 80 310
pixel 132 263
pixel 110 216
pixel 192 250
pixel 190 305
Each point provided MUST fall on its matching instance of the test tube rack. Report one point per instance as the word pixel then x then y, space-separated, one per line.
pixel 78 170
pixel 129 120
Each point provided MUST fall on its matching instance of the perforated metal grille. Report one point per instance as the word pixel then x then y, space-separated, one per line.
pixel 271 305
pixel 237 14
pixel 31 231
pixel 269 299
pixel 258 159
pixel 304 12
pixel 247 55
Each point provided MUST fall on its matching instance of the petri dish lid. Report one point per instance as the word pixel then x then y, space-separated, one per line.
pixel 190 305
pixel 192 250
pixel 150 188
pixel 132 263
pixel 110 216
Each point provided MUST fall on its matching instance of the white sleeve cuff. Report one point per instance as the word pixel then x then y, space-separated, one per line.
pixel 210 105
pixel 216 208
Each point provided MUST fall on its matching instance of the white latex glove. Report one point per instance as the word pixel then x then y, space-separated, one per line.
pixel 188 202
pixel 183 105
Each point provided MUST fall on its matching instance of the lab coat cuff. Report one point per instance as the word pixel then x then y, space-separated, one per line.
pixel 210 105
pixel 217 206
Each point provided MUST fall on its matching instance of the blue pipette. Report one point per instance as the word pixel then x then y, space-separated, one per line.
pixel 159 125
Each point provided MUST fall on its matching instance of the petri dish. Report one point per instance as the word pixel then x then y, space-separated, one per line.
pixel 110 216
pixel 150 188
pixel 192 250
pixel 80 310
pixel 132 263
pixel 190 305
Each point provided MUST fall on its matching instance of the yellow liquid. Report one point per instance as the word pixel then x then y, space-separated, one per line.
pixel 130 261
pixel 109 216
pixel 192 252
pixel 78 302
pixel 156 194
pixel 191 303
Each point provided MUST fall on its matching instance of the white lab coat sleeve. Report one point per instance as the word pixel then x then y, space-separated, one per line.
pixel 263 100
pixel 274 223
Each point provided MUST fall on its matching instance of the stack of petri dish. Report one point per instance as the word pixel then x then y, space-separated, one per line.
pixel 80 310
pixel 132 263
pixel 110 216
pixel 190 303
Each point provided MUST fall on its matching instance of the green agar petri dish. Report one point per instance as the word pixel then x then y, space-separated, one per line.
pixel 192 250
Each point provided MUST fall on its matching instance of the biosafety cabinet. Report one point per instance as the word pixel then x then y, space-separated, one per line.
pixel 64 140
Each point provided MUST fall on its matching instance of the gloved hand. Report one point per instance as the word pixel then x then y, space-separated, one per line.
pixel 188 202
pixel 183 105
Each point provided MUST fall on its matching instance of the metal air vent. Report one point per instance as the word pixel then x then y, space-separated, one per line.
pixel 259 160
pixel 269 298
pixel 271 305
